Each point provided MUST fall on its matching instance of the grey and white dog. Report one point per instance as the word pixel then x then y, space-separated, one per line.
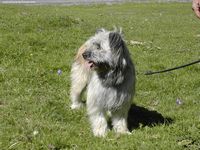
pixel 104 66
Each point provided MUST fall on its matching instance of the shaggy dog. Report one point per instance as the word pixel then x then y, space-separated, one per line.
pixel 104 66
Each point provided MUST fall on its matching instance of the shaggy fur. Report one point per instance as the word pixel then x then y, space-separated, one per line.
pixel 103 64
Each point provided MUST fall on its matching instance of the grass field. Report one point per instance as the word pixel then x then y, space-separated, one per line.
pixel 37 41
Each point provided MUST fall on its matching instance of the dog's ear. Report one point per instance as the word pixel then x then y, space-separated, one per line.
pixel 100 30
pixel 118 48
pixel 115 40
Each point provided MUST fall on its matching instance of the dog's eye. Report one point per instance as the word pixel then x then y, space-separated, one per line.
pixel 98 45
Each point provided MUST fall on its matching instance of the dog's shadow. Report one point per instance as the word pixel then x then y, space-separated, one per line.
pixel 140 117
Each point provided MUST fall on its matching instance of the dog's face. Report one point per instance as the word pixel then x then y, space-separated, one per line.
pixel 104 51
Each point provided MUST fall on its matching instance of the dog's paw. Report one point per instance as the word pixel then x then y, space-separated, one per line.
pixel 76 106
pixel 100 132
pixel 125 132
pixel 122 130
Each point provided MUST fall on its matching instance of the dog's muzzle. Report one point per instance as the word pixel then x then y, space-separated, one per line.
pixel 87 56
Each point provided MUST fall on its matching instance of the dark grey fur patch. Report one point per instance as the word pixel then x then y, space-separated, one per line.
pixel 116 75
pixel 115 40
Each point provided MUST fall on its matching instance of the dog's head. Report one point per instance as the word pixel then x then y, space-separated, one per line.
pixel 104 50
pixel 107 54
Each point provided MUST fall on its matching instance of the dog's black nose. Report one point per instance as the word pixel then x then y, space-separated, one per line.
pixel 86 55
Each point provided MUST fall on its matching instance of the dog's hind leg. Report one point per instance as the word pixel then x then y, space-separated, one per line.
pixel 79 79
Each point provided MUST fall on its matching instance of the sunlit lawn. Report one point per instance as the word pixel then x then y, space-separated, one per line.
pixel 37 41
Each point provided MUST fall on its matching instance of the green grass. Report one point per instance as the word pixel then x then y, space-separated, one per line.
pixel 36 41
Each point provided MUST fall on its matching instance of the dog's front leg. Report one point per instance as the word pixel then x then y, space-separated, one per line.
pixel 98 121
pixel 119 121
